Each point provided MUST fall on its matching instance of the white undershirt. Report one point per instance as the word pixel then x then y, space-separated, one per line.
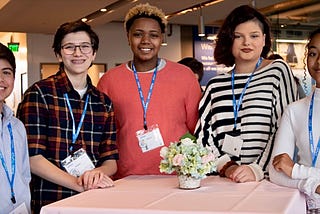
pixel 82 91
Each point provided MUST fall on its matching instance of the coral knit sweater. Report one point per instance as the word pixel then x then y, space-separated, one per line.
pixel 173 106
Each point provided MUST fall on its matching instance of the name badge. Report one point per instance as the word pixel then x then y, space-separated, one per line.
pixel 21 209
pixel 77 163
pixel 311 203
pixel 232 143
pixel 149 139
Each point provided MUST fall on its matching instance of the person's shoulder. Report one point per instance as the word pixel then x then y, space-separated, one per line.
pixel 112 77
pixel 298 105
pixel 179 69
pixel 221 77
pixel 277 67
pixel 170 63
pixel 100 96
pixel 219 81
pixel 17 124
pixel 279 63
pixel 117 70
pixel 42 84
pixel 19 130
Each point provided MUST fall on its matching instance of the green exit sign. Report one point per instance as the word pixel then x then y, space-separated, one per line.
pixel 13 46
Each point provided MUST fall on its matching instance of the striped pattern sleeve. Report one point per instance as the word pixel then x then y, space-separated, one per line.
pixel 284 93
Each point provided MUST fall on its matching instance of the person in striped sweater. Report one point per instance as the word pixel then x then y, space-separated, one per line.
pixel 240 110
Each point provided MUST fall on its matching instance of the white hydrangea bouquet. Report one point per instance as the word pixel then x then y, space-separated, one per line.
pixel 187 158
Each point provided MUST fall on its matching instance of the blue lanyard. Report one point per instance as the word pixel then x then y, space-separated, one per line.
pixel 75 133
pixel 145 103
pixel 236 105
pixel 13 164
pixel 313 153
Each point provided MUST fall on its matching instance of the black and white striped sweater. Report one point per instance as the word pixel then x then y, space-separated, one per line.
pixel 270 90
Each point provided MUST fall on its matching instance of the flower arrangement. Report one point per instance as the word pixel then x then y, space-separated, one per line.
pixel 186 157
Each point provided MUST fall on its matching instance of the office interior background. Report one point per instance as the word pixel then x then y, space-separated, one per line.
pixel 28 27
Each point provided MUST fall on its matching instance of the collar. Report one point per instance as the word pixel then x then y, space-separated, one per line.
pixel 65 85
pixel 7 113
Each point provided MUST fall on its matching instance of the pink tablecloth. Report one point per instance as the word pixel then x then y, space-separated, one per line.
pixel 160 195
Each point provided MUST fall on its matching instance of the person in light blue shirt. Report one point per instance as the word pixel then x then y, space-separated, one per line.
pixel 14 158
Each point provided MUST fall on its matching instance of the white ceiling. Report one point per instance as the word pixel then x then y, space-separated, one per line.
pixel 44 16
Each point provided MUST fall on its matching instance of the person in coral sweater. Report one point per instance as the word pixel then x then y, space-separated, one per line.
pixel 155 100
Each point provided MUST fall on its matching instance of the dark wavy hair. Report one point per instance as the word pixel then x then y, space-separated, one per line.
pixel 6 54
pixel 73 27
pixel 223 50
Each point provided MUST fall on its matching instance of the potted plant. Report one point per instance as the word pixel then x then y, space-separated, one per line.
pixel 191 161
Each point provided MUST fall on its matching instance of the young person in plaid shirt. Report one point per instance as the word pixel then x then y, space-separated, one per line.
pixel 64 114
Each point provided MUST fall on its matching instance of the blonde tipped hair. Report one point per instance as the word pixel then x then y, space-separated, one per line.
pixel 148 11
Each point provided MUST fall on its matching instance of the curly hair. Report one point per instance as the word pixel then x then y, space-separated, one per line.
pixel 145 11
pixel 223 51
pixel 310 37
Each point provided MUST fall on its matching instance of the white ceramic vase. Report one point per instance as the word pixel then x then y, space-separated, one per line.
pixel 188 182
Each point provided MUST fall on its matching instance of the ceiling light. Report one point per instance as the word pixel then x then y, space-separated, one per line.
pixel 193 8
pixel 292 41
pixel 164 40
pixel 107 9
pixel 3 3
pixel 212 37
pixel 201 30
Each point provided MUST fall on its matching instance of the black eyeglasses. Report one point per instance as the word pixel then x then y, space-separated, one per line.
pixel 70 48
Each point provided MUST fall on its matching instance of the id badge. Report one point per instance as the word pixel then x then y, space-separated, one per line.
pixel 21 209
pixel 232 143
pixel 77 163
pixel 311 203
pixel 149 139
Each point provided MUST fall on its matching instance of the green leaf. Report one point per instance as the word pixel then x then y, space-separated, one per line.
pixel 188 135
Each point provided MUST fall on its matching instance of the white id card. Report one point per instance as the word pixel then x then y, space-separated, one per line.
pixel 149 139
pixel 311 203
pixel 232 145
pixel 21 209
pixel 77 163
